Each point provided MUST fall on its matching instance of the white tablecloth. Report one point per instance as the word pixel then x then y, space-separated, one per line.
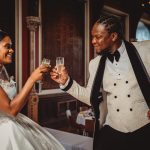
pixel 81 118
pixel 84 115
pixel 72 141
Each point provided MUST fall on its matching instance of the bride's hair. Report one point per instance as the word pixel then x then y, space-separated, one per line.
pixel 3 71
pixel 3 34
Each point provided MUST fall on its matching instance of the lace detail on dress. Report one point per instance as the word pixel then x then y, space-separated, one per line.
pixel 7 83
pixel 9 87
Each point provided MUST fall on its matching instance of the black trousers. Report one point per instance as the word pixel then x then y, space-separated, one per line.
pixel 111 139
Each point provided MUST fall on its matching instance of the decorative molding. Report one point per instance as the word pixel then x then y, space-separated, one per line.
pixel 33 23
pixel 33 107
pixel 18 43
pixel 87 41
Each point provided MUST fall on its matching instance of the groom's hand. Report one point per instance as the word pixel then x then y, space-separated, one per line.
pixel 59 78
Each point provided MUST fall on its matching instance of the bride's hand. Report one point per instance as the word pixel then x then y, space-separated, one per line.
pixel 62 78
pixel 37 74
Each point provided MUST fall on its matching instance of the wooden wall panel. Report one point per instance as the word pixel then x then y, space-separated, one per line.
pixel 63 35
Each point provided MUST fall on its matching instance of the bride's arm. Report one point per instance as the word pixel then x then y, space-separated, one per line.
pixel 14 106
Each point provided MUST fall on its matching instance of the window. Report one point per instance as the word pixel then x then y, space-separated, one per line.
pixel 143 31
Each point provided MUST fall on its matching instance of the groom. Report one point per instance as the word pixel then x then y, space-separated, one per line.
pixel 118 88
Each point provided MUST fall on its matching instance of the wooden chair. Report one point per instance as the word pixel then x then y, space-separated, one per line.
pixel 73 126
pixel 83 108
pixel 89 128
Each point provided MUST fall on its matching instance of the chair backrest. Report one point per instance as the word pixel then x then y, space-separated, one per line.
pixel 83 108
pixel 89 127
pixel 71 119
pixel 68 113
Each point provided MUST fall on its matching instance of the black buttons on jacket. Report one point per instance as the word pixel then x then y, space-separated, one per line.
pixel 115 84
pixel 127 82
pixel 118 110
pixel 115 96
pixel 128 95
pixel 131 109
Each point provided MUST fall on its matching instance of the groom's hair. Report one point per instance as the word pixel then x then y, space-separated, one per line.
pixel 112 24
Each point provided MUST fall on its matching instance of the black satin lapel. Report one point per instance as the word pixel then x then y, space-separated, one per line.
pixel 96 95
pixel 139 71
pixel 95 92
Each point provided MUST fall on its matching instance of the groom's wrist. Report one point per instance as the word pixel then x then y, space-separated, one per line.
pixel 67 85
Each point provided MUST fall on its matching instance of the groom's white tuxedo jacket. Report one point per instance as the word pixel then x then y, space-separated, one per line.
pixel 123 107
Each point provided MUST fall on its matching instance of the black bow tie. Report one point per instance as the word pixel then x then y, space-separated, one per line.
pixel 115 55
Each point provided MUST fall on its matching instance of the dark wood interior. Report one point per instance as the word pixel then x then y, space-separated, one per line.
pixel 52 110
pixel 63 35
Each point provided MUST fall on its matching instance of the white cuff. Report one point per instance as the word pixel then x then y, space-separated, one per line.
pixel 64 85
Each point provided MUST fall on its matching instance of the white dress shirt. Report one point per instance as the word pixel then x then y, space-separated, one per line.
pixel 127 109
pixel 118 69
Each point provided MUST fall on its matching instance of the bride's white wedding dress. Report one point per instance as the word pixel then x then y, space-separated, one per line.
pixel 20 132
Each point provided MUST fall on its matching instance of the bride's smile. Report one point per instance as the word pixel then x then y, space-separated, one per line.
pixel 6 51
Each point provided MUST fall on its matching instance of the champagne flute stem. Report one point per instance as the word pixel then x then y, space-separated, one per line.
pixel 59 76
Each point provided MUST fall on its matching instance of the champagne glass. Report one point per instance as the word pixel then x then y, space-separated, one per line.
pixel 38 84
pixel 59 64
pixel 46 62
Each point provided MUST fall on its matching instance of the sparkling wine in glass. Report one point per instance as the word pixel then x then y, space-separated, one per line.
pixel 59 64
pixel 46 62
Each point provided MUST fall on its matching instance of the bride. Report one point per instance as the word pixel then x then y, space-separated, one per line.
pixel 18 132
